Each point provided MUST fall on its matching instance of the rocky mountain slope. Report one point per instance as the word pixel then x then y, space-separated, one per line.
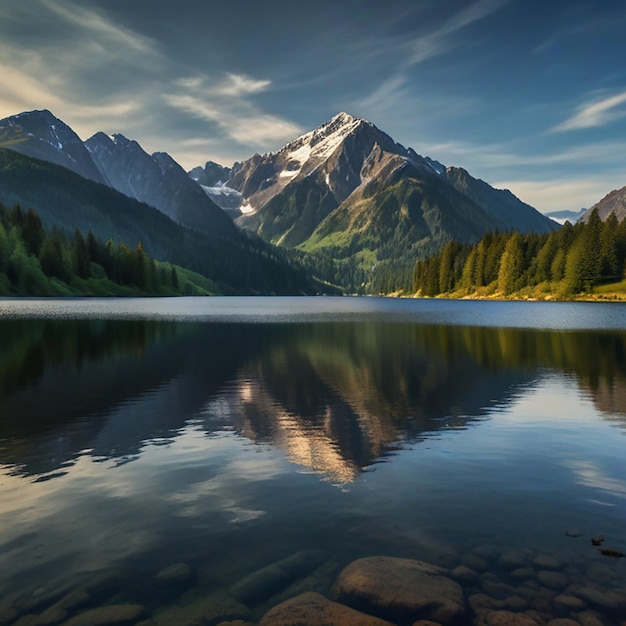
pixel 41 135
pixel 348 190
pixel 156 180
pixel 614 202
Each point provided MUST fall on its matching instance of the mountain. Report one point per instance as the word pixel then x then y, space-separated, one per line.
pixel 236 262
pixel 348 159
pixel 211 175
pixel 614 202
pixel 156 180
pixel 565 216
pixel 41 135
pixel 349 191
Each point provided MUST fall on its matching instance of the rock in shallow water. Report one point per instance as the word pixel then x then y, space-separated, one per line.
pixel 174 575
pixel 313 609
pixel 108 616
pixel 400 590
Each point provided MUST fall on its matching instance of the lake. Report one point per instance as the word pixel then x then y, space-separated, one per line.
pixel 198 460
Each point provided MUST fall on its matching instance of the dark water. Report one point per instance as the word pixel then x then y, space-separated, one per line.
pixel 230 434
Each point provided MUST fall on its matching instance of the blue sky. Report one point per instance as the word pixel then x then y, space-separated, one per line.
pixel 527 95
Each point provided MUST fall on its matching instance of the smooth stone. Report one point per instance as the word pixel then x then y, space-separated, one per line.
pixel 480 601
pixel 523 573
pixel 312 609
pixel 562 621
pixel 612 601
pixel 174 575
pixel 508 618
pixel 543 561
pixel 566 602
pixel 108 615
pixel 475 562
pixel 553 580
pixel 400 590
pixel 587 618
pixel 272 579
pixel 498 590
pixel 425 622
pixel 464 575
pixel 513 559
pixel 216 607
pixel 515 603
pixel 543 600
pixel 573 532
pixel 489 553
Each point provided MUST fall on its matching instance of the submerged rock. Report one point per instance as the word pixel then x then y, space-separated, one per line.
pixel 465 575
pixel 553 580
pixel 573 532
pixel 513 559
pixel 108 616
pixel 506 618
pixel 313 609
pixel 213 608
pixel 400 590
pixel 174 575
pixel 268 581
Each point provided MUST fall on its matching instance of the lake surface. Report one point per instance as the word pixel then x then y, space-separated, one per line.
pixel 232 434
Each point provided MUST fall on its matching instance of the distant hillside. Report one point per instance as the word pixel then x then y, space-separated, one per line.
pixel 237 264
pixel 613 203
pixel 565 216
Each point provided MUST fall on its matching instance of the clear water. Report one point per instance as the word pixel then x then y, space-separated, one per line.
pixel 231 433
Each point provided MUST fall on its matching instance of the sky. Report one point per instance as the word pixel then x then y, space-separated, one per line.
pixel 529 95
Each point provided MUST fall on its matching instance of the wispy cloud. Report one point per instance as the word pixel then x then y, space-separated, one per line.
pixel 561 193
pixel 426 46
pixel 439 40
pixel 595 113
pixel 227 104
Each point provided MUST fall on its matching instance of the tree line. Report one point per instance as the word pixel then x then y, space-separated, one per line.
pixel 35 261
pixel 566 262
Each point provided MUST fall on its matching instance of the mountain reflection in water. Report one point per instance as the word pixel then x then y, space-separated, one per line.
pixel 334 397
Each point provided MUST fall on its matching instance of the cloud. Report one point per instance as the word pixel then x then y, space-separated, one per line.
pixel 561 193
pixel 596 113
pixel 424 47
pixel 226 104
pixel 590 475
pixel 439 41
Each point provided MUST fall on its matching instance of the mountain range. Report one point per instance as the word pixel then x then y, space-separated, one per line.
pixel 345 199
pixel 348 191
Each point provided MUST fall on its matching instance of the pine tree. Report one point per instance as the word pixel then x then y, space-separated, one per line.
pixel 511 265
pixel 51 256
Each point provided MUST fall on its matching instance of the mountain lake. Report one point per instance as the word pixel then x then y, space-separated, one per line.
pixel 202 460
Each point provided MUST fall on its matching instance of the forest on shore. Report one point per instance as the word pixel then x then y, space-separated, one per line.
pixel 35 261
pixel 585 258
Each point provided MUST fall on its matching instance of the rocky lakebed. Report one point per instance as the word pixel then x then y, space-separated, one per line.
pixel 486 586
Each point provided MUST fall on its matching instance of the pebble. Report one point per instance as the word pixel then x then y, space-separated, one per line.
pixel 523 573
pixel 174 575
pixel 513 559
pixel 553 580
pixel 565 602
pixel 543 561
pixel 475 562
pixel 465 575
pixel 108 615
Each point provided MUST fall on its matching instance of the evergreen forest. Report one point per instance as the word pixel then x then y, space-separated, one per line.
pixel 575 259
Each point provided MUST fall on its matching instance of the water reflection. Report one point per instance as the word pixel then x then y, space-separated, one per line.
pixel 335 397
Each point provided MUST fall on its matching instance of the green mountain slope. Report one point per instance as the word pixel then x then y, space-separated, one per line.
pixel 237 263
